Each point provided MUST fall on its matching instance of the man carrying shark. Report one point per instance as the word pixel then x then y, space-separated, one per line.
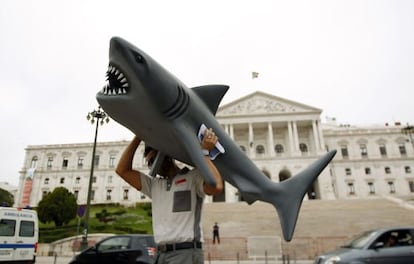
pixel 146 98
pixel 177 198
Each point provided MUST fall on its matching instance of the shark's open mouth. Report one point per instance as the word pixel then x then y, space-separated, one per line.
pixel 116 82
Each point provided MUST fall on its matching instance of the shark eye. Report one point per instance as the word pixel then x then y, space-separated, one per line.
pixel 138 57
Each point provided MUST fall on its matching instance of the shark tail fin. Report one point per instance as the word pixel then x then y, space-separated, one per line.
pixel 287 196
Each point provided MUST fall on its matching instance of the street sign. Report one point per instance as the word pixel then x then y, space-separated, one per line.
pixel 81 210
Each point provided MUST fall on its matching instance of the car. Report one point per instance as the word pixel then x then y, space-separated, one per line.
pixel 122 249
pixel 148 242
pixel 383 245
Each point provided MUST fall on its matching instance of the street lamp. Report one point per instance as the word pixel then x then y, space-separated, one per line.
pixel 409 131
pixel 100 117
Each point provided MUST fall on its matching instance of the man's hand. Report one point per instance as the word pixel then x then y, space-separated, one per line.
pixel 209 139
pixel 208 143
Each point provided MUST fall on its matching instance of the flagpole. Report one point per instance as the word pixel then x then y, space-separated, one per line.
pixel 254 75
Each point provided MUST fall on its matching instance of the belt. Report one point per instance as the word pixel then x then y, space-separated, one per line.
pixel 178 246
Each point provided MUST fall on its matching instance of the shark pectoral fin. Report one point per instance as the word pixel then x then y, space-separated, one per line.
pixel 192 146
pixel 211 95
pixel 287 196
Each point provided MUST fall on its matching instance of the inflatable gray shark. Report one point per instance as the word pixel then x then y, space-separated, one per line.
pixel 144 97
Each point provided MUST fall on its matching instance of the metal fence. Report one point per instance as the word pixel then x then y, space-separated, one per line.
pixel 256 249
pixel 270 248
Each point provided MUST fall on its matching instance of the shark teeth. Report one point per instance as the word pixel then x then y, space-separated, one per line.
pixel 116 82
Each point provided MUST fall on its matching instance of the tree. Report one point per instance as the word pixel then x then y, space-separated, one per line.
pixel 58 206
pixel 6 198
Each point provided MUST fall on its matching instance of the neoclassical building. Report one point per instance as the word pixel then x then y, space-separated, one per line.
pixel 280 136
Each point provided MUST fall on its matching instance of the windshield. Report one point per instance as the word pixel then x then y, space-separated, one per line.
pixel 361 240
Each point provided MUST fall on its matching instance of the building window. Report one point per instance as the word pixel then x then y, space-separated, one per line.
pixel 34 162
pixel 77 180
pixel 46 182
pixel 92 195
pixel 76 193
pixel 303 147
pixel 411 185
pixel 344 151
pixel 367 171
pixel 44 193
pixel 407 169
pixel 387 170
pixel 126 192
pixel 110 179
pixel 383 150
pixel 371 187
pixel 260 149
pixel 351 188
pixel 348 171
pixel 392 186
pixel 94 179
pixel 143 197
pixel 80 162
pixel 65 163
pixel 108 194
pixel 403 150
pixel 49 162
pixel 279 149
pixel 62 180
pixel 112 161
pixel 364 150
pixel 96 161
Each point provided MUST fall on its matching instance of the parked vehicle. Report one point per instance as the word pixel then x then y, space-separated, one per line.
pixel 19 234
pixel 148 242
pixel 385 245
pixel 122 249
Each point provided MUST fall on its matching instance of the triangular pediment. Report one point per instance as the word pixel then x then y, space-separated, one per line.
pixel 259 103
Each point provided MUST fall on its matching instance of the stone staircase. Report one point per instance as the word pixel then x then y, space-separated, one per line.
pixel 322 225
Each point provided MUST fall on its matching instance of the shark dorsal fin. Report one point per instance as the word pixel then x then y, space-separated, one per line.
pixel 211 95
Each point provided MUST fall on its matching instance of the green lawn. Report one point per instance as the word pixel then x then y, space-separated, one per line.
pixel 113 219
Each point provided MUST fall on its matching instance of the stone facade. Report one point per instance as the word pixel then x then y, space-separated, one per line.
pixel 371 161
pixel 282 137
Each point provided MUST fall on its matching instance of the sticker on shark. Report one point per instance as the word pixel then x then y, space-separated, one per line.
pixel 147 99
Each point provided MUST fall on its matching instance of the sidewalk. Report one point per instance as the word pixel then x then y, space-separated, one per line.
pixel 66 260
pixel 53 260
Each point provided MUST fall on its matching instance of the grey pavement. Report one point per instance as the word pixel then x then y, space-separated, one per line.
pixel 66 260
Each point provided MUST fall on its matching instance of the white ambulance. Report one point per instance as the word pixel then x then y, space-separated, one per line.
pixel 19 234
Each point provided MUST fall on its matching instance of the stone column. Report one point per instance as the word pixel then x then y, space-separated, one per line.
pixel 291 142
pixel 251 140
pixel 231 197
pixel 295 136
pixel 315 136
pixel 321 140
pixel 231 129
pixel 270 144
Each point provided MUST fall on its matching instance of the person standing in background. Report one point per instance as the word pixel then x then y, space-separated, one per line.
pixel 216 234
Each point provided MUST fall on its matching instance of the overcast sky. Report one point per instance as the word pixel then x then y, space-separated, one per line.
pixel 352 59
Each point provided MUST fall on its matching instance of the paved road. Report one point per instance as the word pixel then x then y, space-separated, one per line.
pixel 66 260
